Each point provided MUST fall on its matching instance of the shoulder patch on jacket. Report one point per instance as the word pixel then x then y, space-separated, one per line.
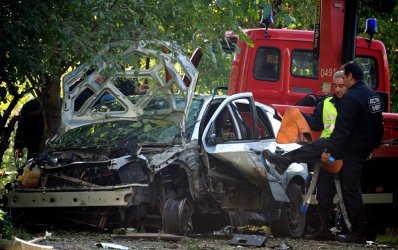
pixel 374 104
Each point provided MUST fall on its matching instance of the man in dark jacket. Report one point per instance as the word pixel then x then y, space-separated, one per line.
pixel 30 129
pixel 359 130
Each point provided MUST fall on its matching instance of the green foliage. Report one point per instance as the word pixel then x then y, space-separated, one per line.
pixel 190 244
pixel 387 33
pixel 7 230
pixel 214 69
pixel 55 35
pixel 9 163
pixel 387 239
pixel 295 14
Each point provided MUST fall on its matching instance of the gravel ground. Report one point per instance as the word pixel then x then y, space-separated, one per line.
pixel 62 239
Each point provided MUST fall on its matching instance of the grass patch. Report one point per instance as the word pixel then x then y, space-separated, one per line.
pixel 391 237
pixel 387 239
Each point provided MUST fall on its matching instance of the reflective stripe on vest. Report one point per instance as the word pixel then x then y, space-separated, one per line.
pixel 329 115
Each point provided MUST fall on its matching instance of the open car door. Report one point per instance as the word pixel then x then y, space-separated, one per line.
pixel 231 136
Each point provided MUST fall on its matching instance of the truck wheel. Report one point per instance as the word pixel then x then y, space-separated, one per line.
pixel 177 216
pixel 292 221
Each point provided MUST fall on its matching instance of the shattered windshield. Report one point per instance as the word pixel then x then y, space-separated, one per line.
pixel 147 130
pixel 143 131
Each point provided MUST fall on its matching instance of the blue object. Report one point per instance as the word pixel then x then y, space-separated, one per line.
pixel 331 159
pixel 266 17
pixel 371 26
pixel 304 208
pixel 308 179
pixel 106 97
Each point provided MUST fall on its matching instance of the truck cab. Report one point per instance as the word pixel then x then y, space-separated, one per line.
pixel 280 68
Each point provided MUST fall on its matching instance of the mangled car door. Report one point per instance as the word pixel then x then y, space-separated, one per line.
pixel 231 136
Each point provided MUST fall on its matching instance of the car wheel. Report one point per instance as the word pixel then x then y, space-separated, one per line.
pixel 292 221
pixel 177 216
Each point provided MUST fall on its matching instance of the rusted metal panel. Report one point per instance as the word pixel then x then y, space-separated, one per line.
pixel 126 196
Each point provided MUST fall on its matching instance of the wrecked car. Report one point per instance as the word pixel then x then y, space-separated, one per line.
pixel 165 159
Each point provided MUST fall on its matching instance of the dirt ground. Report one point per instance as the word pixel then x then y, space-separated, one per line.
pixel 71 239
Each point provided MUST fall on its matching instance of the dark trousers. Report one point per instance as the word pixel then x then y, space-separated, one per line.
pixel 350 175
pixel 310 152
pixel 325 193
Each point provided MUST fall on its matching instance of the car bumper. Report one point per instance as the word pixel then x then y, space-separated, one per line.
pixel 118 196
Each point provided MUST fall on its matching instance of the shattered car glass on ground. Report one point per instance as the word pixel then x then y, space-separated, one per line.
pixel 160 160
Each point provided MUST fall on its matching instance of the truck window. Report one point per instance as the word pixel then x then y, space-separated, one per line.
pixel 303 64
pixel 267 64
pixel 369 66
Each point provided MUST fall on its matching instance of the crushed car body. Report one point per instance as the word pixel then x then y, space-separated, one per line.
pixel 163 159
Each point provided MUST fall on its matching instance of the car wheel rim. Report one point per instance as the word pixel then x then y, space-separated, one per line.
pixel 177 216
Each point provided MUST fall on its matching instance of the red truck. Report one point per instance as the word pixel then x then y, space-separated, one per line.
pixel 289 67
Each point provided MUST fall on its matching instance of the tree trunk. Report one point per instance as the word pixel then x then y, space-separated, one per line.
pixel 52 110
pixel 7 128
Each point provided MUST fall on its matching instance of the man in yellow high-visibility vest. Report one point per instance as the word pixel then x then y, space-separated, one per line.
pixel 322 119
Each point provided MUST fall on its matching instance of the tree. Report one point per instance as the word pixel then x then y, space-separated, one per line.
pixel 43 39
pixel 294 14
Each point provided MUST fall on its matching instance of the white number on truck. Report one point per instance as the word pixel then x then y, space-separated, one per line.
pixel 327 72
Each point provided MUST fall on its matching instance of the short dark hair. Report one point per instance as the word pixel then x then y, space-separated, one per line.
pixel 355 69
pixel 126 86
